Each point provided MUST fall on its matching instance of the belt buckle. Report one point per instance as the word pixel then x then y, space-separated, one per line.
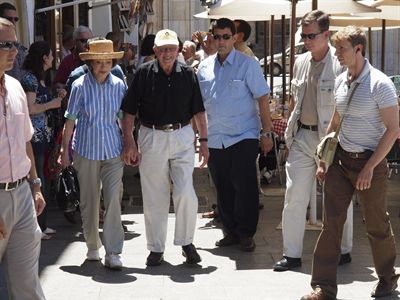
pixel 356 155
pixel 7 189
pixel 168 127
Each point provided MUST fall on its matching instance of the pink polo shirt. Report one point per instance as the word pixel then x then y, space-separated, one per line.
pixel 15 130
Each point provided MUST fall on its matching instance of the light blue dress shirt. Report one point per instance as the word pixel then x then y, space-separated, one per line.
pixel 96 107
pixel 229 93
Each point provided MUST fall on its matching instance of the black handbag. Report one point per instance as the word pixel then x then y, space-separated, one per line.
pixel 68 192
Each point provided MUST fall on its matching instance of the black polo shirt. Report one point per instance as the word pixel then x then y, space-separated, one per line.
pixel 163 99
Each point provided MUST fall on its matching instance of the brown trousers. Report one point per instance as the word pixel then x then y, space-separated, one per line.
pixel 339 188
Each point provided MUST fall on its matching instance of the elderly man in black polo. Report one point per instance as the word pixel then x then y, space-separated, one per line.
pixel 166 95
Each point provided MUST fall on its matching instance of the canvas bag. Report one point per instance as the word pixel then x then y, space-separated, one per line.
pixel 326 148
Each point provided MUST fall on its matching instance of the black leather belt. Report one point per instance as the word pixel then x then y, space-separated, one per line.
pixel 166 127
pixel 9 186
pixel 309 127
pixel 356 155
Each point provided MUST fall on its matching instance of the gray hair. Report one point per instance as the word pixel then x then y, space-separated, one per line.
pixel 80 29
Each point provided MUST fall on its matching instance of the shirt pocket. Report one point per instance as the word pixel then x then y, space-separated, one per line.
pixel 298 89
pixel 326 89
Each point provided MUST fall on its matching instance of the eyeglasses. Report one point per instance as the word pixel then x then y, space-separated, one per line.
pixel 309 36
pixel 83 41
pixel 224 36
pixel 7 45
pixel 167 49
pixel 12 19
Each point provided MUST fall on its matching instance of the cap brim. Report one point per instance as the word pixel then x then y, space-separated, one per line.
pixel 100 55
pixel 165 43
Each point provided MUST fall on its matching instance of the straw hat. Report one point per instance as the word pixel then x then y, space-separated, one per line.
pixel 101 49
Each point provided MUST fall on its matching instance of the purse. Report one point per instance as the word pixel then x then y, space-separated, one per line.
pixel 326 148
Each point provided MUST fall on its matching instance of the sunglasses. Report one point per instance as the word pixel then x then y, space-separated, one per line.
pixel 83 41
pixel 7 45
pixel 12 19
pixel 309 36
pixel 224 36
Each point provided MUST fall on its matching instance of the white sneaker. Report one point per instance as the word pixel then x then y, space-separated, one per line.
pixel 113 261
pixel 93 255
pixel 50 231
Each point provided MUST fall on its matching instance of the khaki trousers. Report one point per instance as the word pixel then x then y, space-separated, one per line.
pixel 166 157
pixel 107 174
pixel 339 188
pixel 19 251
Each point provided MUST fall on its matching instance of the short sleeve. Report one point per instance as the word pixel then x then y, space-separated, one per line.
pixel 255 79
pixel 29 83
pixel 74 102
pixel 385 93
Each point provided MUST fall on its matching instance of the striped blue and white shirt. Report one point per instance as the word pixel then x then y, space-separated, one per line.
pixel 362 127
pixel 96 109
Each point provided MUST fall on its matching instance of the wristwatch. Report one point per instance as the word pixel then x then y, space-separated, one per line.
pixel 267 134
pixel 36 181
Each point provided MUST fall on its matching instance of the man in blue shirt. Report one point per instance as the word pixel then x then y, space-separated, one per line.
pixel 232 85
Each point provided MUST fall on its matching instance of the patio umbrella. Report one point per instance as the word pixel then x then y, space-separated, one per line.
pixel 261 10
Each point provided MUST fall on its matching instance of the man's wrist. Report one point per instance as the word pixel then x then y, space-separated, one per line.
pixel 36 182
pixel 266 134
pixel 203 140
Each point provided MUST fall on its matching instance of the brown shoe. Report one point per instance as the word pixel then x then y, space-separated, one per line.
pixel 317 294
pixel 384 288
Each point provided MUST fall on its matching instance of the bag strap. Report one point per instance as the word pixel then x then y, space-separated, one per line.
pixel 345 112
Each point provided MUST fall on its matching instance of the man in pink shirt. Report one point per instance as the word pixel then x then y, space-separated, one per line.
pixel 19 231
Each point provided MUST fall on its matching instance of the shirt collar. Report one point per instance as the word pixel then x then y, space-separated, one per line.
pixel 230 58
pixel 365 72
pixel 93 80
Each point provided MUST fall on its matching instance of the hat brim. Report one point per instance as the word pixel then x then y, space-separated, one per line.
pixel 165 43
pixel 101 55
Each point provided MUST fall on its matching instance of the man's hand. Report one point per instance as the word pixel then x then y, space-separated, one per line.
pixel 39 201
pixel 364 178
pixel 131 155
pixel 3 229
pixel 321 171
pixel 266 144
pixel 203 154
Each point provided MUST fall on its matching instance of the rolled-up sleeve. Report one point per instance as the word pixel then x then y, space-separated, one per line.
pixel 74 102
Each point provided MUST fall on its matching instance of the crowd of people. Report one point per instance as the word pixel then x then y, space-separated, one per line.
pixel 209 91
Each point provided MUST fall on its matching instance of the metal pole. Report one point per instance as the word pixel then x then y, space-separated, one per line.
pixel 292 35
pixel 283 46
pixel 271 53
pixel 370 45
pixel 265 49
pixel 383 45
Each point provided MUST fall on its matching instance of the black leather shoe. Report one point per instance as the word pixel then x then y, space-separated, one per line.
pixel 287 263
pixel 190 252
pixel 247 244
pixel 155 259
pixel 384 288
pixel 345 259
pixel 228 240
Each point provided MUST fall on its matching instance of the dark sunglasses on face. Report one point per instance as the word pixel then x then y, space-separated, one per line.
pixel 7 45
pixel 309 36
pixel 83 41
pixel 224 36
pixel 12 19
